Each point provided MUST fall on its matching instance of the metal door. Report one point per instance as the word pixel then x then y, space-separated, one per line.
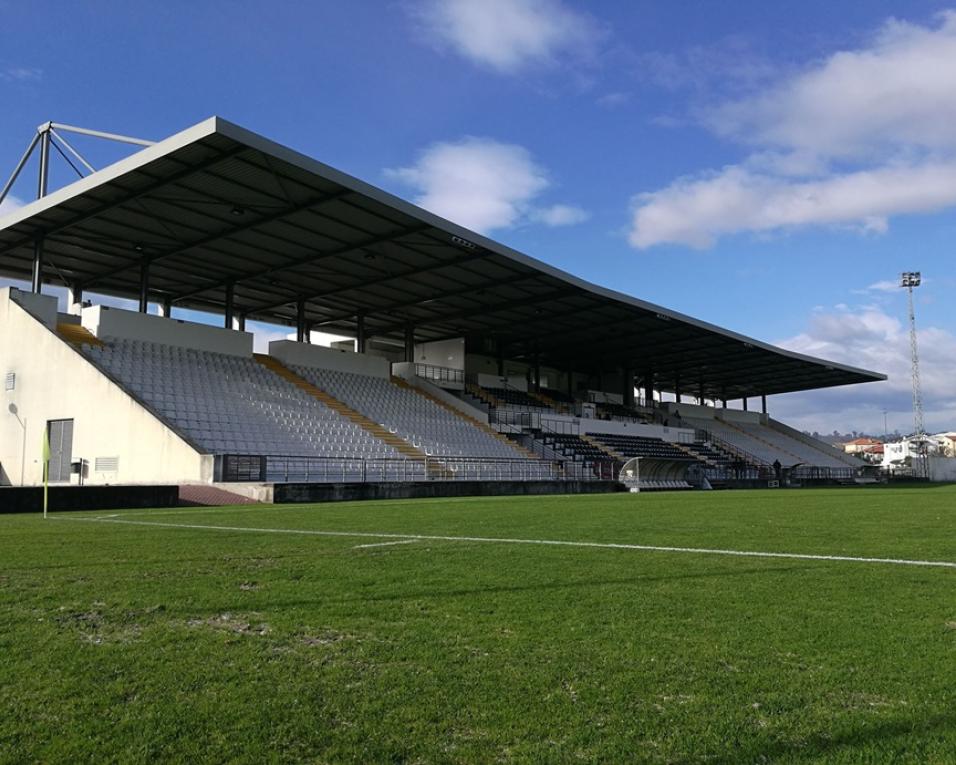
pixel 60 433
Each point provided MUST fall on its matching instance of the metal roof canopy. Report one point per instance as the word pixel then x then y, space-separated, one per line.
pixel 217 212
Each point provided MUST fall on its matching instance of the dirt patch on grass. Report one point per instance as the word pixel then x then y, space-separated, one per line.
pixel 325 638
pixel 100 625
pixel 233 623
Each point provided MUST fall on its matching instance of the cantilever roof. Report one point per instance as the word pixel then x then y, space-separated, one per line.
pixel 218 207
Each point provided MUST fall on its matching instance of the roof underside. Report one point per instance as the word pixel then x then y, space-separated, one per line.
pixel 217 208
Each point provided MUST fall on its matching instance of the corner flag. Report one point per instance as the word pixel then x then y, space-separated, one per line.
pixel 46 469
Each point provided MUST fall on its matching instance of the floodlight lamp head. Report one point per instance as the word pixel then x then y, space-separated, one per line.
pixel 910 279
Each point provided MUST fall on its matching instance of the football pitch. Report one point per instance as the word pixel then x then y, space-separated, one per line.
pixel 722 627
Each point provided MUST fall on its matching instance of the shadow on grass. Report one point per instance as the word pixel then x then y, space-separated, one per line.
pixel 826 744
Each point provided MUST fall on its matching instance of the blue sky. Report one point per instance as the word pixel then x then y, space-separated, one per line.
pixel 768 167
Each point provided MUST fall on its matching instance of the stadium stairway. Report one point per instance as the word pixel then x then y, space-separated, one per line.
pixel 77 335
pixel 458 413
pixel 756 437
pixel 373 428
pixel 606 449
pixel 549 402
pixel 482 395
pixel 194 495
pixel 399 444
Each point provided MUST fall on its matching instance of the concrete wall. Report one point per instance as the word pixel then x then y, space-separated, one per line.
pixel 54 381
pixel 708 412
pixel 442 353
pixel 43 307
pixel 942 468
pixel 319 357
pixel 342 492
pixel 493 381
pixel 106 322
pixel 615 427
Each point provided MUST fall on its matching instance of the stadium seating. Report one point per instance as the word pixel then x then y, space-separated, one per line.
pixel 573 446
pixel 511 398
pixel 766 444
pixel 619 411
pixel 230 404
pixel 556 395
pixel 409 415
pixel 641 446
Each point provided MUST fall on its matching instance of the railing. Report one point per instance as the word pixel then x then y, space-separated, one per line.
pixel 440 374
pixel 273 468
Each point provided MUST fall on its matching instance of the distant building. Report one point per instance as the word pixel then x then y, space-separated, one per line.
pixel 947 444
pixel 859 445
pixel 899 456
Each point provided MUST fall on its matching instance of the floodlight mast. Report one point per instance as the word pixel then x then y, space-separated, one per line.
pixel 909 280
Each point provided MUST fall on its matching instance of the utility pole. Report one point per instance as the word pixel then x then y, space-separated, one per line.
pixel 909 280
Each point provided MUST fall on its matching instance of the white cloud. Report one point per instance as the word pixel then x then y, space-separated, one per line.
pixel 697 211
pixel 884 286
pixel 21 74
pixel 613 100
pixel 483 185
pixel 872 339
pixel 901 89
pixel 560 215
pixel 851 141
pixel 508 35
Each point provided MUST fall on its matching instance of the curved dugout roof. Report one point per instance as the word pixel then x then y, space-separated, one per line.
pixel 218 208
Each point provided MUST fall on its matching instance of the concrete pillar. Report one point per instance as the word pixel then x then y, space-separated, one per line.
pixel 763 403
pixel 144 286
pixel 75 299
pixel 241 321
pixel 409 342
pixel 166 307
pixel 745 403
pixel 230 305
pixel 360 339
pixel 627 383
pixel 300 321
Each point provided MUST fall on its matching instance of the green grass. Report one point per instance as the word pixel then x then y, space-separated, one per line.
pixel 122 643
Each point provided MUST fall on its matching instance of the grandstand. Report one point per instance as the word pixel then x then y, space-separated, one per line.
pixel 470 361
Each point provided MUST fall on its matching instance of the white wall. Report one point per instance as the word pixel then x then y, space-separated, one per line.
pixel 106 322
pixel 53 382
pixel 43 307
pixel 619 428
pixel 709 412
pixel 493 381
pixel 942 468
pixel 319 357
pixel 442 353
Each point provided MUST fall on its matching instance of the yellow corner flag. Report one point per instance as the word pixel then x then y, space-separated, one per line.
pixel 46 469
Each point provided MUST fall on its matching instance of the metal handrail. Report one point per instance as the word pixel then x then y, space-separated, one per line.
pixel 278 468
pixel 442 374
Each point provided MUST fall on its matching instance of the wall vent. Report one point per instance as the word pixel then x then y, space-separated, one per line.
pixel 106 465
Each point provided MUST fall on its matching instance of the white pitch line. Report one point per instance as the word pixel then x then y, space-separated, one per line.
pixel 506 540
pixel 386 544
